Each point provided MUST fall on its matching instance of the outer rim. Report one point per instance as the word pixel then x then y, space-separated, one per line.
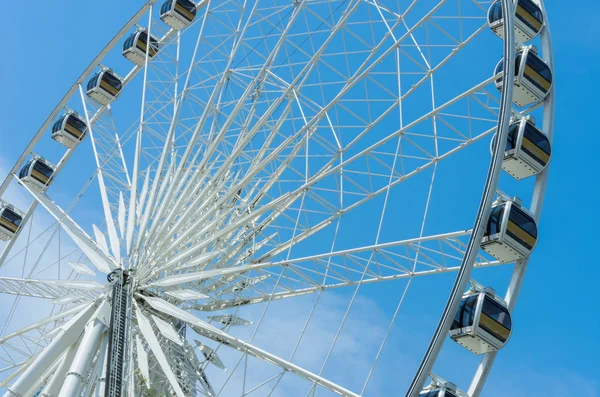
pixel 538 196
pixel 516 282
pixel 495 167
pixel 537 201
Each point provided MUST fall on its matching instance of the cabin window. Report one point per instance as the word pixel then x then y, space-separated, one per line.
pixel 496 311
pixel 93 81
pixel 523 220
pixel 513 135
pixel 518 62
pixel 25 170
pixel 538 138
pixel 539 66
pixel 500 322
pixel 166 7
pixel 12 217
pixel 495 13
pixel 58 124
pixel 188 5
pixel 144 39
pixel 531 8
pixel 77 123
pixel 112 80
pixel 466 313
pixel 494 224
pixel 39 166
pixel 129 42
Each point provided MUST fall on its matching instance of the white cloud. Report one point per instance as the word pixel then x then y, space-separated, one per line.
pixel 350 361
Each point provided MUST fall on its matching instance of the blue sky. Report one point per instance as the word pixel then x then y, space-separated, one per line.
pixel 554 349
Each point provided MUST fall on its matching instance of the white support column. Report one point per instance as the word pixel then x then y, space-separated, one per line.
pixel 57 380
pixel 101 385
pixel 99 367
pixel 84 357
pixel 33 389
pixel 65 337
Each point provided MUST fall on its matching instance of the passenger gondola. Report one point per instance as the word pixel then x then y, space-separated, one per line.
pixel 511 232
pixel 69 129
pixel 533 77
pixel 527 149
pixel 10 221
pixel 529 20
pixel 482 323
pixel 37 173
pixel 105 86
pixel 441 388
pixel 179 13
pixel 134 48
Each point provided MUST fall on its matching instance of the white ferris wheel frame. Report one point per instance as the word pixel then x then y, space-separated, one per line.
pixel 470 255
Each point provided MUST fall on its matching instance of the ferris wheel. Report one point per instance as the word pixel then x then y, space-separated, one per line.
pixel 281 198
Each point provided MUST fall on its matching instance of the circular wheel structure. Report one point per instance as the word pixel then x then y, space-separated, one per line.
pixel 281 198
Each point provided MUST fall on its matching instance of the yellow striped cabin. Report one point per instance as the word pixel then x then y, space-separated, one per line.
pixel 511 232
pixel 482 323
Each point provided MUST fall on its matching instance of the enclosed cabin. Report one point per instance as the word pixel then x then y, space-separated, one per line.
pixel 529 20
pixel 533 77
pixel 482 323
pixel 441 388
pixel 105 86
pixel 37 174
pixel 179 13
pixel 527 150
pixel 10 221
pixel 511 232
pixel 136 46
pixel 69 129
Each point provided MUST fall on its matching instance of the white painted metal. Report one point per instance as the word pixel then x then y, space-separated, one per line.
pixel 83 358
pixel 133 197
pixel 485 205
pixel 101 382
pixel 68 335
pixel 186 294
pixel 37 385
pixel 212 219
pixel 485 366
pixel 150 337
pixel 103 262
pixel 40 133
pixel 101 240
pixel 165 152
pixel 121 216
pixel 82 269
pixel 211 355
pixel 47 289
pixel 216 334
pixel 56 317
pixel 142 359
pixel 98 370
pixel 167 330
pixel 110 224
pixel 229 320
pixel 53 387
